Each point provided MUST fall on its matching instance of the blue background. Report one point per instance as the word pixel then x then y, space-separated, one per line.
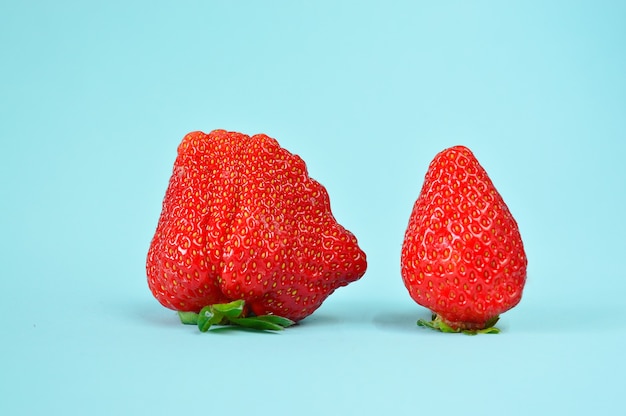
pixel 96 97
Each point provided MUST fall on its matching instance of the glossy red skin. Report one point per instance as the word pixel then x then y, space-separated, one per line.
pixel 241 219
pixel 462 256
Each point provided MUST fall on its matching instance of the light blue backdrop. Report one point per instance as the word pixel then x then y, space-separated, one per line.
pixel 95 97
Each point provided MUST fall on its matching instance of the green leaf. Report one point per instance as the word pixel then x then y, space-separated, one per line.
pixel 491 330
pixel 492 321
pixel 258 323
pixel 188 318
pixel 229 310
pixel 443 327
pixel 278 320
pixel 426 324
pixel 208 317
pixel 231 314
pixel 439 325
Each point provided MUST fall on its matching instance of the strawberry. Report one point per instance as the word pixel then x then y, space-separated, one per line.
pixel 242 221
pixel 462 255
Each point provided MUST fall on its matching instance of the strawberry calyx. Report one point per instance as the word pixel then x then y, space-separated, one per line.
pixel 439 324
pixel 232 313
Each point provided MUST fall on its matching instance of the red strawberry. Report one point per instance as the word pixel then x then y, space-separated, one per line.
pixel 242 220
pixel 462 255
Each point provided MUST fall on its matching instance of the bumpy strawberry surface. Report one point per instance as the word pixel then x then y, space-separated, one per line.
pixel 242 219
pixel 462 255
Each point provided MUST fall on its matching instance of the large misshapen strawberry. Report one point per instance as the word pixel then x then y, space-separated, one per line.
pixel 462 255
pixel 242 220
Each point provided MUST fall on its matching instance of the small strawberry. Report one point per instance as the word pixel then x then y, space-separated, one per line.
pixel 462 255
pixel 242 221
